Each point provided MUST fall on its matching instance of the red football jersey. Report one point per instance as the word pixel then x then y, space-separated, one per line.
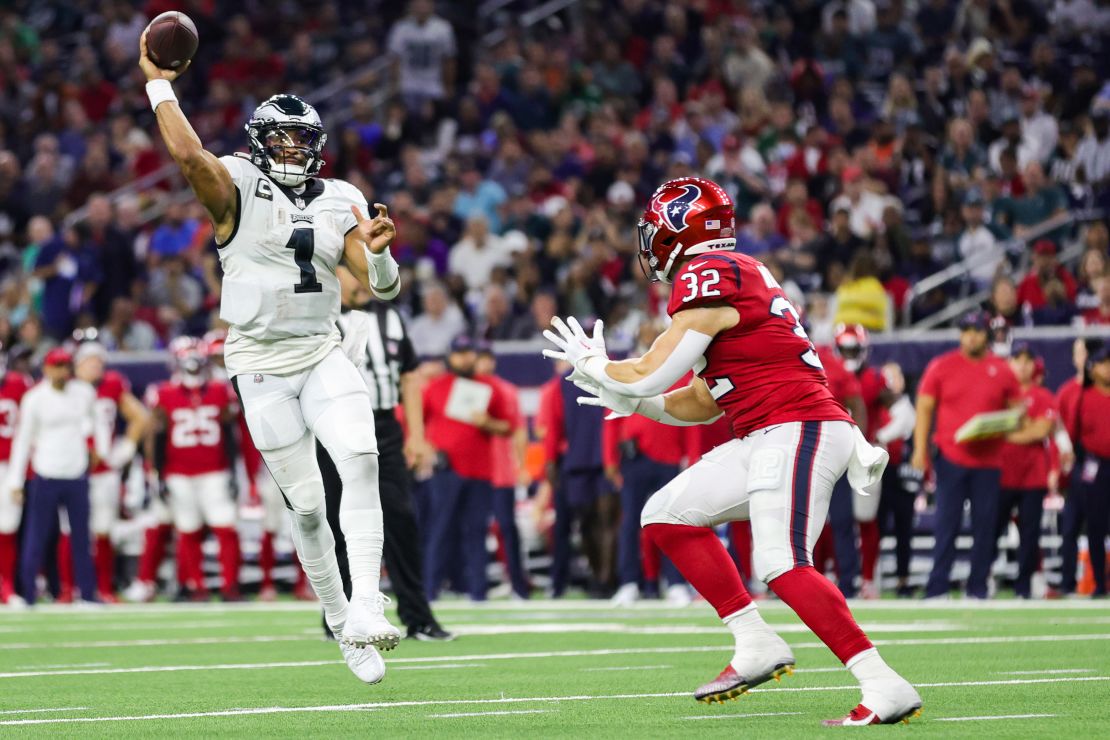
pixel 872 384
pixel 764 370
pixel 12 388
pixel 194 432
pixel 109 391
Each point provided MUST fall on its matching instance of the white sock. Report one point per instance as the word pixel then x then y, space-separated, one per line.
pixel 365 534
pixel 360 518
pixel 869 667
pixel 745 621
pixel 316 550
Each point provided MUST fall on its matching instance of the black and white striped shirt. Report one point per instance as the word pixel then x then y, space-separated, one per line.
pixel 378 343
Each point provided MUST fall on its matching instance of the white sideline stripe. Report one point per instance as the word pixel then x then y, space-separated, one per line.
pixel 742 716
pixel 441 666
pixel 1046 673
pixel 625 668
pixel 891 605
pixel 996 717
pixel 39 711
pixel 451 702
pixel 62 665
pixel 489 714
pixel 440 659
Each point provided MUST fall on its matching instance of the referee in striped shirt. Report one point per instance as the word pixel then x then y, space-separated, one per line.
pixel 377 342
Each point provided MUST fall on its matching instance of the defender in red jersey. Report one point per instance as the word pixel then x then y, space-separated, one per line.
pixel 13 386
pixel 114 399
pixel 193 452
pixel 734 326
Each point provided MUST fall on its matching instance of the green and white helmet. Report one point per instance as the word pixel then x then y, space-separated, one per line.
pixel 286 122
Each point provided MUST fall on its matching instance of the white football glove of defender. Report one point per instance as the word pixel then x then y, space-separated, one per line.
pixel 576 347
pixel 618 406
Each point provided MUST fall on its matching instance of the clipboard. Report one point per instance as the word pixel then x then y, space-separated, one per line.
pixel 989 425
pixel 467 398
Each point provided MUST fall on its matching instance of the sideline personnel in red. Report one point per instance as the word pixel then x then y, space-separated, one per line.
pixel 956 386
pixel 1086 411
pixel 1026 462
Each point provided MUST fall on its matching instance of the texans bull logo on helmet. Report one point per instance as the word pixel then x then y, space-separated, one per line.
pixel 673 212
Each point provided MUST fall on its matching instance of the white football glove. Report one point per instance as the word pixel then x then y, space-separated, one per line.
pixel 577 348
pixel 619 406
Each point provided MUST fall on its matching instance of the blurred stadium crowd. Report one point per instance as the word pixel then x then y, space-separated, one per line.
pixel 868 145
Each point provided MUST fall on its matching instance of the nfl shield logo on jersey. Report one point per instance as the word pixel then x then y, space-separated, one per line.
pixel 258 377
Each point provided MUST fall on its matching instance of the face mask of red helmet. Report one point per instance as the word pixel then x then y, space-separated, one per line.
pixel 684 218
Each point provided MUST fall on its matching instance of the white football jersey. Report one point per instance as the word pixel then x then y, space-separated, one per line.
pixel 280 293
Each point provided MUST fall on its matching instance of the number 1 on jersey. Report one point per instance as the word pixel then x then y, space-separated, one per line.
pixel 303 244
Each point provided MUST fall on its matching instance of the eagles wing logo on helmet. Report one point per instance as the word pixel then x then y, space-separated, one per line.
pixel 673 212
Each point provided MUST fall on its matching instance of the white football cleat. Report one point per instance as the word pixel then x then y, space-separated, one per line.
pixel 894 701
pixel 626 595
pixel 139 592
pixel 16 602
pixel 760 656
pixel 366 623
pixel 365 662
pixel 678 595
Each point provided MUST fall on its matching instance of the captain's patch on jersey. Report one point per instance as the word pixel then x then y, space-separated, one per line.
pixel 263 190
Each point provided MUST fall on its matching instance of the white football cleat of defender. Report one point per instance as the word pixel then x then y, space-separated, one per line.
pixel 626 595
pixel 366 623
pixel 364 662
pixel 760 656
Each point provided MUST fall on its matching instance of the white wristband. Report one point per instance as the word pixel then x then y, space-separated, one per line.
pixel 159 91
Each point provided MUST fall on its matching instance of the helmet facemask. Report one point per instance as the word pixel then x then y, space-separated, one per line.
pixel 286 140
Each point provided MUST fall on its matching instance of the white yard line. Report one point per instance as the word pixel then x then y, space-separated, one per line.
pixel 993 718
pixel 40 627
pixel 743 716
pixel 502 700
pixel 479 657
pixel 611 627
pixel 1013 682
pixel 440 667
pixel 40 711
pixel 1050 672
pixel 40 666
pixel 625 668
pixel 300 637
pixel 489 714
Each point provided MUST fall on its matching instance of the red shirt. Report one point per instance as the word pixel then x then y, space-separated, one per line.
pixel 843 383
pixel 873 385
pixel 661 443
pixel 503 463
pixel 1026 466
pixel 468 449
pixel 195 442
pixel 1086 415
pixel 764 370
pixel 109 391
pixel 12 388
pixel 963 388
pixel 1095 317
pixel 1031 292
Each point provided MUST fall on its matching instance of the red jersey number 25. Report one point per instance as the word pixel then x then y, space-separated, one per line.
pixel 785 309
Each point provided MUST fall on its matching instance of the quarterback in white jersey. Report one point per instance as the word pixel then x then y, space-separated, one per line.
pixel 282 231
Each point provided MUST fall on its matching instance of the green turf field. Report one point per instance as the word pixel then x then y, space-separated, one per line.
pixel 570 668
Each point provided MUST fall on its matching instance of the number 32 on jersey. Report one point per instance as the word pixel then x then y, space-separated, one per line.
pixel 785 309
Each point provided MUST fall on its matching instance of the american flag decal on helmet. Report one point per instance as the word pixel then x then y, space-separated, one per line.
pixel 673 212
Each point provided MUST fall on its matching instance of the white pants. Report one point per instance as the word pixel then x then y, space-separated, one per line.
pixel 273 505
pixel 328 401
pixel 104 499
pixel 10 511
pixel 197 500
pixel 781 478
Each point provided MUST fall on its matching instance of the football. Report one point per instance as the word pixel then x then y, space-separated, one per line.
pixel 171 40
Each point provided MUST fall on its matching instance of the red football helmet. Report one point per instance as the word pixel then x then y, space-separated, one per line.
pixel 214 343
pixel 852 343
pixel 685 217
pixel 190 360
